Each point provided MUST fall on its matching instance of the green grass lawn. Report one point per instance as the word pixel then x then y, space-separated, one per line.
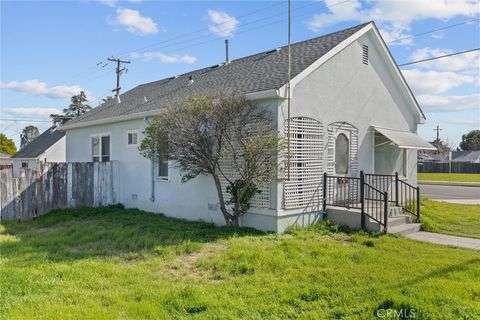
pixel 110 263
pixel 451 218
pixel 454 177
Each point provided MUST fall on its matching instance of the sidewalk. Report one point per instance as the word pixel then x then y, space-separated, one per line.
pixel 444 239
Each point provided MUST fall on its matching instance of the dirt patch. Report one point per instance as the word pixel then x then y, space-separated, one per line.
pixel 186 264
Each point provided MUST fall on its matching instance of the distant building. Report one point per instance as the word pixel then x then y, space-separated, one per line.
pixel 466 156
pixel 5 160
pixel 49 146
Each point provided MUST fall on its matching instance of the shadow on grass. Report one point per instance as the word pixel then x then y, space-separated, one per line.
pixel 107 231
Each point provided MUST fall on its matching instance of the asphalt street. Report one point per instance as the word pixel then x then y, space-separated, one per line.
pixel 457 194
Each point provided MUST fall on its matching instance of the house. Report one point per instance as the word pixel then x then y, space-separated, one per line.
pixel 5 160
pixel 351 110
pixel 466 156
pixel 47 147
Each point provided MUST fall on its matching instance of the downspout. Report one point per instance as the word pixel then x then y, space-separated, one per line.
pixel 152 170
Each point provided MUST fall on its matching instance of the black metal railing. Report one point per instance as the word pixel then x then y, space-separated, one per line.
pixel 408 198
pixel 372 194
pixel 375 205
pixel 341 191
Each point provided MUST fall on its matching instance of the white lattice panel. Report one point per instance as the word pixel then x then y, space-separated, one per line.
pixel 303 188
pixel 227 165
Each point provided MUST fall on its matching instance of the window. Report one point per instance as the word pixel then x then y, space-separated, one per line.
pixel 162 169
pixel 100 148
pixel 24 164
pixel 341 154
pixel 132 137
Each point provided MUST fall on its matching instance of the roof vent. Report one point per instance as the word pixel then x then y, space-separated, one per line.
pixel 190 80
pixel 145 98
pixel 365 54
pixel 118 99
pixel 272 51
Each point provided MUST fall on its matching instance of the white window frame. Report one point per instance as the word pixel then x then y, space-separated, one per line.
pixel 157 172
pixel 133 131
pixel 100 135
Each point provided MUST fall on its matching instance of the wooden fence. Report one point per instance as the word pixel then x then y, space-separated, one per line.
pixel 57 186
pixel 443 167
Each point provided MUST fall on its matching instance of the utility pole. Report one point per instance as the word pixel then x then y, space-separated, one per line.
pixel 438 132
pixel 118 71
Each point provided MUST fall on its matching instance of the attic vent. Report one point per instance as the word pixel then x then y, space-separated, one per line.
pixel 365 54
pixel 272 51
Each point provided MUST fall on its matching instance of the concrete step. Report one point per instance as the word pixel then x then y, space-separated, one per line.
pixel 405 229
pixel 395 211
pixel 398 220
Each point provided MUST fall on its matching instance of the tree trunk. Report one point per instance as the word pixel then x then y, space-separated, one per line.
pixel 229 219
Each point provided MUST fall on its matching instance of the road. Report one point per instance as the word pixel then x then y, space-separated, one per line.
pixel 456 194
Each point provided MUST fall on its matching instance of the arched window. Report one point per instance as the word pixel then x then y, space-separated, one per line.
pixel 341 154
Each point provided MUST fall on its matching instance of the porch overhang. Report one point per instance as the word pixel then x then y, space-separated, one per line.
pixel 404 139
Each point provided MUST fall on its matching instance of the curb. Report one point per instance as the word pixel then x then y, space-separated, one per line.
pixel 440 183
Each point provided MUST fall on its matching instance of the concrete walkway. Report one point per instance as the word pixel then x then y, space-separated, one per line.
pixel 444 239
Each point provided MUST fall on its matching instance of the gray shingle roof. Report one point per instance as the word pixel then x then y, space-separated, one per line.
pixel 259 72
pixel 40 144
pixel 465 156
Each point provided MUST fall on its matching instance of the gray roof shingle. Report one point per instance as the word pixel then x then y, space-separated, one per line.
pixel 258 72
pixel 40 144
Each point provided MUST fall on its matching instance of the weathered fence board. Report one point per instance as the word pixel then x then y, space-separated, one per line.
pixel 57 186
pixel 443 167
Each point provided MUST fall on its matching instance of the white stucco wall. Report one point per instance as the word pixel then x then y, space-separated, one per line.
pixel 193 200
pixel 345 89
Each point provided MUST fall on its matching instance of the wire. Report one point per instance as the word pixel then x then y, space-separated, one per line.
pixel 24 119
pixel 434 30
pixel 439 57
pixel 215 38
pixel 202 29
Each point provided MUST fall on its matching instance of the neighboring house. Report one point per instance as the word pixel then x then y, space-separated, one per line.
pixel 466 156
pixel 351 110
pixel 5 160
pixel 47 147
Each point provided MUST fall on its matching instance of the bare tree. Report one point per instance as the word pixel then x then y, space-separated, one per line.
pixel 228 138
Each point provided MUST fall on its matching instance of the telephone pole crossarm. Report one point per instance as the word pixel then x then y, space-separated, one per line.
pixel 118 71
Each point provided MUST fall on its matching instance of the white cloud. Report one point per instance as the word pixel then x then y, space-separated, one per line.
pixel 466 122
pixel 466 61
pixel 449 103
pixel 164 58
pixel 39 112
pixel 222 24
pixel 394 17
pixel 134 22
pixel 113 3
pixel 434 82
pixel 35 87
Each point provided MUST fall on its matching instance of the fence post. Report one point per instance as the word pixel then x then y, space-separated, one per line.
pixel 324 195
pixel 418 203
pixel 362 199
pixel 396 189
pixel 385 208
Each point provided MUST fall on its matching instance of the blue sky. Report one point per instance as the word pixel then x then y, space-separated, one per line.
pixel 50 50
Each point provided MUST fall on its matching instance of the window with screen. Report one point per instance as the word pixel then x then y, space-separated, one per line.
pixel 100 148
pixel 163 169
pixel 132 138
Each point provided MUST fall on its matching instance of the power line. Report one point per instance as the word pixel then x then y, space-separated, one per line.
pixel 24 119
pixel 216 38
pixel 203 29
pixel 434 30
pixel 439 57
